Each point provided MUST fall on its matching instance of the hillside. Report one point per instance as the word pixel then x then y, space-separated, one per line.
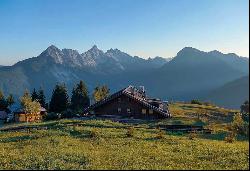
pixel 65 146
pixel 104 144
pixel 232 94
pixel 189 75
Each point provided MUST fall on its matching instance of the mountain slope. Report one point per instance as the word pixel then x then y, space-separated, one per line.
pixel 191 74
pixel 232 94
pixel 54 65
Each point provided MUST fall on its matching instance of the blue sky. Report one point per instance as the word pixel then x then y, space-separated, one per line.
pixel 145 28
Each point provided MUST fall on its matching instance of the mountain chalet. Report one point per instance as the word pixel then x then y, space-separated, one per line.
pixel 130 102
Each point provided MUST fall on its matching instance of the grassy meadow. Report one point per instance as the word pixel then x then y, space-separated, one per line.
pixel 104 144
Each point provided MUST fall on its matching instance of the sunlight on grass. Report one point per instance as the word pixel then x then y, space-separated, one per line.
pixel 68 144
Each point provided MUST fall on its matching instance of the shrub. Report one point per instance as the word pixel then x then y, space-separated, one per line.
pixel 246 129
pixel 192 135
pixel 237 126
pixel 208 104
pixel 230 138
pixel 196 102
pixel 68 114
pixel 51 116
pixel 130 132
pixel 160 134
pixel 245 107
pixel 94 134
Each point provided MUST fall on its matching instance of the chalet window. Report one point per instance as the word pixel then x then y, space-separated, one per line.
pixel 128 110
pixel 119 110
pixel 150 111
pixel 144 111
pixel 119 99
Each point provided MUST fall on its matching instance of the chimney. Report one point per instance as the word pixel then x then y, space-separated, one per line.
pixel 142 89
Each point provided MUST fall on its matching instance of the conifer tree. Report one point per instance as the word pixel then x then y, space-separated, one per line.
pixel 10 100
pixel 59 100
pixel 34 95
pixel 80 98
pixel 41 98
pixel 3 102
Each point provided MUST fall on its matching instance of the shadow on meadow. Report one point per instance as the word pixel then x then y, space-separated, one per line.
pixel 18 139
pixel 220 136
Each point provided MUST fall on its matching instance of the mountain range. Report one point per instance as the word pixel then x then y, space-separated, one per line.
pixel 190 74
pixel 231 94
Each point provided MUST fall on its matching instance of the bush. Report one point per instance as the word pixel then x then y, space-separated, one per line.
pixel 196 102
pixel 160 134
pixel 208 104
pixel 192 135
pixel 238 124
pixel 94 134
pixel 230 138
pixel 68 114
pixel 246 129
pixel 51 116
pixel 130 132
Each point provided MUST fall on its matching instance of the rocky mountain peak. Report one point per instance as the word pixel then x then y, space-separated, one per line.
pixel 94 52
pixel 188 50
pixel 54 53
pixel 215 52
pixel 52 49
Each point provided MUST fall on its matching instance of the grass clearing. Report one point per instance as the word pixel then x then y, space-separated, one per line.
pixel 68 144
pixel 104 144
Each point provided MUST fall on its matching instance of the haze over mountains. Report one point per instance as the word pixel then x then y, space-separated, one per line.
pixel 230 94
pixel 191 74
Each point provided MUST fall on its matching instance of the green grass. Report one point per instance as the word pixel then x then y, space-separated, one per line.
pixel 68 144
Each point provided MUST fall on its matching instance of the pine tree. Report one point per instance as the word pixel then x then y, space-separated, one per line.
pixel 41 98
pixel 10 100
pixel 3 102
pixel 1 94
pixel 34 95
pixel 59 100
pixel 245 107
pixel 80 98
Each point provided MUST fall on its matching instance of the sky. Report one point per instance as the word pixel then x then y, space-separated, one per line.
pixel 145 28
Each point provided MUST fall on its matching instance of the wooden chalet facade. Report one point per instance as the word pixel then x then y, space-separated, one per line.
pixel 21 116
pixel 130 102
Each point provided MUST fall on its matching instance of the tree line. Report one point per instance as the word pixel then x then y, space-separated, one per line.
pixel 60 100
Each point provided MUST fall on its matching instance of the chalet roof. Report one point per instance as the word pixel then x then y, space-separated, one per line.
pixel 3 115
pixel 20 110
pixel 129 93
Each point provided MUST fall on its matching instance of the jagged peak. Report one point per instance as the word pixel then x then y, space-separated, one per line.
pixel 54 53
pixel 53 47
pixel 70 50
pixel 94 48
pixel 115 51
pixel 216 52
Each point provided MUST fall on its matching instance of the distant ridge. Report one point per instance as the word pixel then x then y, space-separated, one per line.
pixel 231 95
pixel 190 74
